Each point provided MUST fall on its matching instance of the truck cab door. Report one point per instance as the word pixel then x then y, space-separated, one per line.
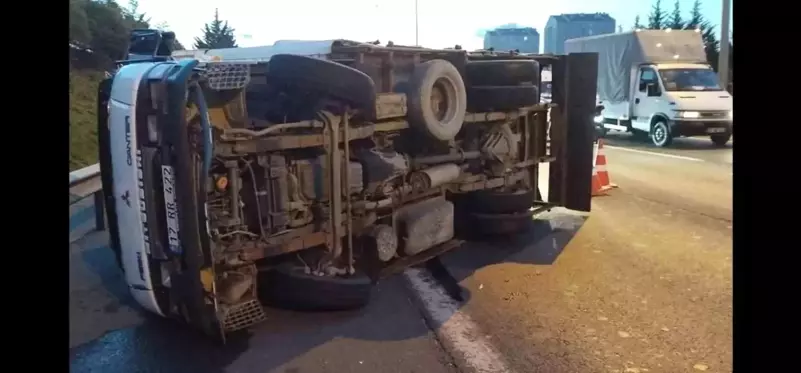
pixel 647 95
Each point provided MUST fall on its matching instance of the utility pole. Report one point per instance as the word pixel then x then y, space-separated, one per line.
pixel 723 57
pixel 416 26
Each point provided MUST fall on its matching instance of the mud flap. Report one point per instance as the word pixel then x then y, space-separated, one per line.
pixel 572 131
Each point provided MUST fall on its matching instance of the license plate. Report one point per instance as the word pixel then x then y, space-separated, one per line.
pixel 715 130
pixel 171 209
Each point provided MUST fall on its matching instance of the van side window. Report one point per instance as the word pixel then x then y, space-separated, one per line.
pixel 647 76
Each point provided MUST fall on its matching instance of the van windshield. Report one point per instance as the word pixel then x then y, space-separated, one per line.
pixel 690 80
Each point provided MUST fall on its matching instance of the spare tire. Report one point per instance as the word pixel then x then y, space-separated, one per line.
pixel 436 99
pixel 289 287
pixel 500 98
pixel 500 224
pixel 502 72
pixel 490 201
pixel 325 77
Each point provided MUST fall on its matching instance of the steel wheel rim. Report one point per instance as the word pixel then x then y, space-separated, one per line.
pixel 660 133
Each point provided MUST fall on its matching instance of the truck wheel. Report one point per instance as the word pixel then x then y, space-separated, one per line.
pixel 720 139
pixel 500 98
pixel 500 202
pixel 500 224
pixel 326 77
pixel 436 99
pixel 502 72
pixel 290 287
pixel 660 134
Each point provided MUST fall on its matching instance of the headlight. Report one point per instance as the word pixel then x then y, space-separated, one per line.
pixel 688 114
pixel 731 114
pixel 598 119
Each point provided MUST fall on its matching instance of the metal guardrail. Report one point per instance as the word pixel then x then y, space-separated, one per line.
pixel 85 183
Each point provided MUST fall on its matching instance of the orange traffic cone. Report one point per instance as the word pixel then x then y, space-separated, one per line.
pixel 597 190
pixel 600 176
pixel 600 165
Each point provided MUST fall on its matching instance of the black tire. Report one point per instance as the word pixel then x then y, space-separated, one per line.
pixel 660 134
pixel 501 98
pixel 289 287
pixel 499 202
pixel 106 178
pixel 720 139
pixel 502 72
pixel 431 80
pixel 325 77
pixel 500 224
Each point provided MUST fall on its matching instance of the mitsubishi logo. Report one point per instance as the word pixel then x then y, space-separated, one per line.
pixel 127 198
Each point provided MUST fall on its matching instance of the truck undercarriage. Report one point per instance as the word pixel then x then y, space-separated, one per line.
pixel 314 178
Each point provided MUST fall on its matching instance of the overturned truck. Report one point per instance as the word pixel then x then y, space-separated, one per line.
pixel 301 173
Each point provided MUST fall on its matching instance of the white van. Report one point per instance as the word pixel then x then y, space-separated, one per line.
pixel 657 83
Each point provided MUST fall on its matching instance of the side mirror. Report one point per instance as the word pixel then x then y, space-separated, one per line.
pixel 653 90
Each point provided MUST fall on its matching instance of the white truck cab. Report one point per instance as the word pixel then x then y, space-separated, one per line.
pixel 657 83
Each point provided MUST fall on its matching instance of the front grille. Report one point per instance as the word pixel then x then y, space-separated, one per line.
pixel 226 76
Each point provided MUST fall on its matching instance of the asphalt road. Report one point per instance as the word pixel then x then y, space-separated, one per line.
pixel 642 285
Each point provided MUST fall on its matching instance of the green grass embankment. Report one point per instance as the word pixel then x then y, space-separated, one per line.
pixel 83 122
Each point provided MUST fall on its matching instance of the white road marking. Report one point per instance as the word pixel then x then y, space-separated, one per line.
pixel 655 153
pixel 454 327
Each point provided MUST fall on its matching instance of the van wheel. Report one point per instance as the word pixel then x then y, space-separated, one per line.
pixel 437 99
pixel 660 134
pixel 288 286
pixel 720 140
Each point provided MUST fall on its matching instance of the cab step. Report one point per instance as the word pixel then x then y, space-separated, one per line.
pixel 242 315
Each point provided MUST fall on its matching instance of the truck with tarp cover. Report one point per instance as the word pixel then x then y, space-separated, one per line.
pixel 658 84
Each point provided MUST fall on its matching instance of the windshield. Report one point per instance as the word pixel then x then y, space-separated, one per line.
pixel 690 80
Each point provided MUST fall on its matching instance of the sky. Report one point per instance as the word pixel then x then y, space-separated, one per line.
pixel 441 23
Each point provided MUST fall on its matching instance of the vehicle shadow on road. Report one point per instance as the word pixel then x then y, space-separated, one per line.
pixel 540 244
pixel 148 343
pixel 693 143
pixel 157 345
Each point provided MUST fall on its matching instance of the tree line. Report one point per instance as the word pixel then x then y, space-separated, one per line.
pixel 660 19
pixel 104 26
